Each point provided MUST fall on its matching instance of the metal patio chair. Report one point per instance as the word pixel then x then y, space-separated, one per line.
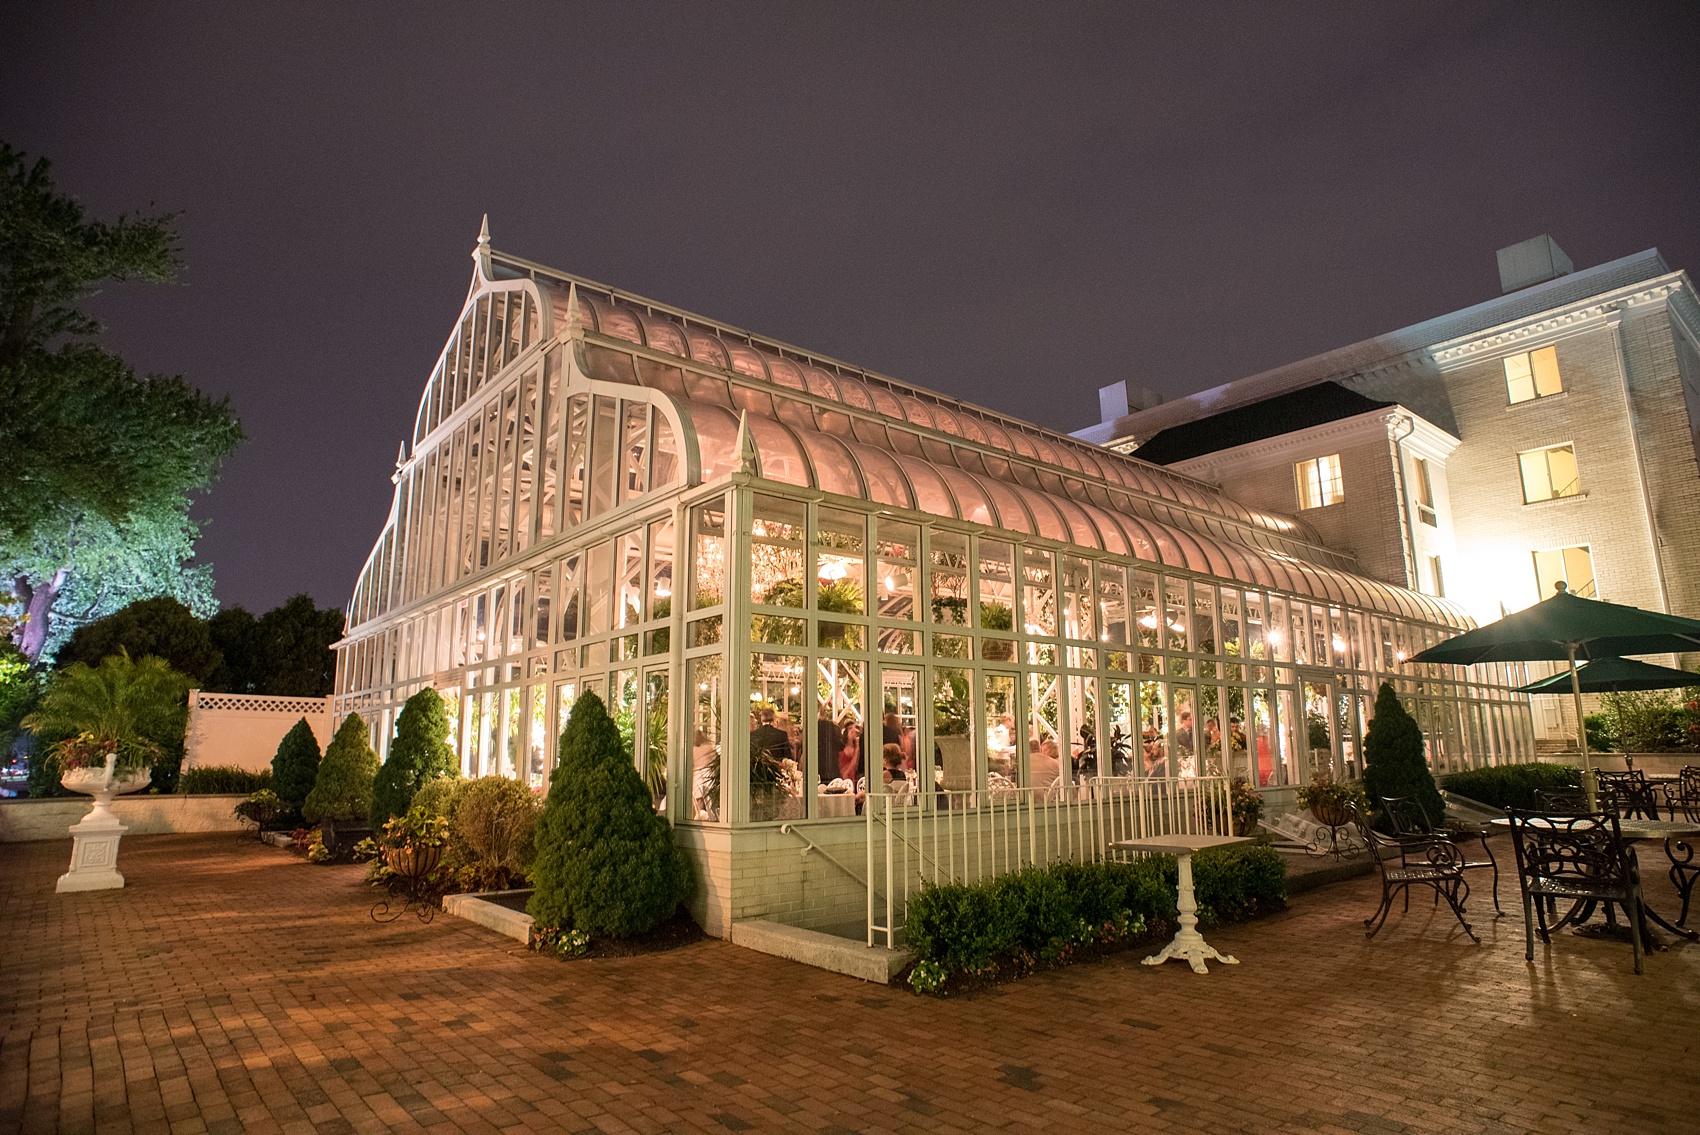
pixel 1407 817
pixel 1628 794
pixel 1579 858
pixel 1414 861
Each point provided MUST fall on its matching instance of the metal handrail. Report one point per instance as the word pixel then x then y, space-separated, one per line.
pixel 810 845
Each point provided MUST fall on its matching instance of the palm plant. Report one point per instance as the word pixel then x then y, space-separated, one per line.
pixel 121 700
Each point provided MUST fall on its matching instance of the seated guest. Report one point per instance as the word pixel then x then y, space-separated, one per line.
pixel 850 753
pixel 1046 764
pixel 892 758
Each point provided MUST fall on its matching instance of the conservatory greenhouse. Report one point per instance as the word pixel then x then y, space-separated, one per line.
pixel 805 591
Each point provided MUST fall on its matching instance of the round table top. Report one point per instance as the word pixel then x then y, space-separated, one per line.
pixel 1636 829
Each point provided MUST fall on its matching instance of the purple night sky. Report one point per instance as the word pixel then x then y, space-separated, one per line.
pixel 1014 204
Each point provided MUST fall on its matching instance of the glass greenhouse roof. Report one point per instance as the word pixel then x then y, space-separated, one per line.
pixel 822 424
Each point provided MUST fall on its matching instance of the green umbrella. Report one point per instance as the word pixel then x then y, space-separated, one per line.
pixel 1567 627
pixel 1614 675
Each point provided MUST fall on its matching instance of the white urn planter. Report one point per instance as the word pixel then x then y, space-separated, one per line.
pixel 94 847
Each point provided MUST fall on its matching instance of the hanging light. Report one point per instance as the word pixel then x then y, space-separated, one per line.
pixel 833 569
pixel 1148 620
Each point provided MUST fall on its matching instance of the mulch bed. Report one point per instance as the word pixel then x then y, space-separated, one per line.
pixel 680 930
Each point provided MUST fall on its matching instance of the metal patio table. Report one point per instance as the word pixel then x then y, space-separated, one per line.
pixel 1188 945
pixel 1673 833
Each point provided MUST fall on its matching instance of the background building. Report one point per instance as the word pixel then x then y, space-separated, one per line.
pixel 1548 434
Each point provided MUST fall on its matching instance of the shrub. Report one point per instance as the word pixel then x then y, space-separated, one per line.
pixel 606 862
pixel 223 779
pixel 1394 764
pixel 492 825
pixel 120 699
pixel 343 789
pixel 1044 913
pixel 260 809
pixel 295 767
pixel 419 753
pixel 1512 786
pixel 437 796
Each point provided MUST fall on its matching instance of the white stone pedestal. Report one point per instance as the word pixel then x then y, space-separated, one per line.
pixel 94 854
pixel 1188 945
pixel 94 841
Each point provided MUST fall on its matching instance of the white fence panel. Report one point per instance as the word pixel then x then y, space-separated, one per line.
pixel 244 729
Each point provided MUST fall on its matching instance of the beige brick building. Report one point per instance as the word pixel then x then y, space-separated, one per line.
pixel 1549 433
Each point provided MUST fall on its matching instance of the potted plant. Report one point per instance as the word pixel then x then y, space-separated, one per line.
pixel 1327 799
pixel 413 843
pixel 1246 803
pixel 341 799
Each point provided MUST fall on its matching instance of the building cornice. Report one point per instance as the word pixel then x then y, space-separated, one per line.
pixel 1587 315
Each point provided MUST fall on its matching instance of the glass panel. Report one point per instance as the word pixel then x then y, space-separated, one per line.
pixel 634 479
pixel 487 492
pixel 899 694
pixel 841 561
pixel 776 780
pixel 1317 739
pixel 894 581
pixel 526 472
pixel 953 729
pixel 505 476
pixel 708 555
pixel 623 705
pixel 1083 719
pixel 948 579
pixel 459 548
pixel 545 601
pixel 1112 604
pixel 1175 614
pixel 538 747
pixel 1038 593
pixel 569 598
pixel 778 629
pixel 628 562
pixel 664 464
pixel 1001 758
pixel 604 450
pixel 655 726
pixel 1044 729
pixel 1119 717
pixel 520 617
pixel 599 589
pixel 776 552
pixel 1544 362
pixel 840 750
pixel 707 705
pixel 1154 728
pixel 893 641
pixel 578 418
pixel 1185 741
pixel 997 585
pixel 1078 608
pixel 703 632
pixel 1144 601
pixel 1261 728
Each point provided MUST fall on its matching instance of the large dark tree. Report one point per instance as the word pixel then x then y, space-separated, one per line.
pixel 160 626
pixel 96 464
pixel 235 633
pixel 1394 763
pixel 293 645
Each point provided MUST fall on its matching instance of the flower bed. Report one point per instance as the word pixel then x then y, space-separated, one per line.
pixel 965 935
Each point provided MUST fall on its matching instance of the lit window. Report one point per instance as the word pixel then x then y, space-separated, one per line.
pixel 1425 494
pixel 1533 374
pixel 1437 578
pixel 1319 481
pixel 1573 566
pixel 1549 473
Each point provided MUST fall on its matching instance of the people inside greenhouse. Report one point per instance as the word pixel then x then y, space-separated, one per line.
pixel 705 778
pixel 768 740
pixel 850 753
pixel 1156 762
pixel 829 744
pixel 1046 763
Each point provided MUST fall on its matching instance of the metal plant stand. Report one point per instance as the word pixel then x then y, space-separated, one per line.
pixel 411 868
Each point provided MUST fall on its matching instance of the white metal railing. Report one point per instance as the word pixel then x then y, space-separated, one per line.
pixel 915 838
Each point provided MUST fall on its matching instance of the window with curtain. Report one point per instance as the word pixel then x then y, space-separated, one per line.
pixel 1320 483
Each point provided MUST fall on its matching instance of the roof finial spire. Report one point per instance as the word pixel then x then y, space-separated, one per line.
pixel 481 253
pixel 749 457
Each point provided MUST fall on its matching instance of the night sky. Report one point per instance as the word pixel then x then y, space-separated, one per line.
pixel 1013 204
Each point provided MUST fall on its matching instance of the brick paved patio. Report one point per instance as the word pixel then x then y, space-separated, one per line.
pixel 235 988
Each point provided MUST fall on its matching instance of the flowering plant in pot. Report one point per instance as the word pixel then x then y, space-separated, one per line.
pixel 1327 799
pixel 412 844
pixel 1246 803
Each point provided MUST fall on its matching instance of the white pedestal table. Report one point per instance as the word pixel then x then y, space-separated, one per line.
pixel 1188 945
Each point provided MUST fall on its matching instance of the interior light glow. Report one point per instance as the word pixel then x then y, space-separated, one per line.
pixel 833 569
pixel 1148 621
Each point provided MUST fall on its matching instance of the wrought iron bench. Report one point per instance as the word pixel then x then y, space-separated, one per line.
pixel 1407 817
pixel 1414 861
pixel 1579 858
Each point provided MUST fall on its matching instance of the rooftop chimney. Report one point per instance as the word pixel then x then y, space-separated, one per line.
pixel 1534 261
pixel 1118 400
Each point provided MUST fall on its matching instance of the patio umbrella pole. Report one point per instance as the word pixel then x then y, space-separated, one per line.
pixel 1581 729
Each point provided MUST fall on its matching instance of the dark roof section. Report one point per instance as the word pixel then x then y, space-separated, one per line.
pixel 1283 414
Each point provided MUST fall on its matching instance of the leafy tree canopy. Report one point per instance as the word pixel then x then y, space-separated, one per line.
pixel 160 626
pixel 96 464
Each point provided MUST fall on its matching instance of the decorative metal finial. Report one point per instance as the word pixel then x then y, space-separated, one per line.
pixel 749 457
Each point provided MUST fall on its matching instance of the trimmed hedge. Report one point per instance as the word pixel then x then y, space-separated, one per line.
pixel 1512 786
pixel 223 779
pixel 1042 911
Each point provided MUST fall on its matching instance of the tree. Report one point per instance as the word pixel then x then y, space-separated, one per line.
pixel 295 766
pixel 234 633
pixel 294 645
pixel 1394 764
pixel 606 862
pixel 95 464
pixel 343 788
pixel 419 753
pixel 160 626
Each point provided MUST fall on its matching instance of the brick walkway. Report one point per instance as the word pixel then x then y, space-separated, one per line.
pixel 234 988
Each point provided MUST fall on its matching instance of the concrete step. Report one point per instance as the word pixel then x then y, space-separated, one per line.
pixel 516 924
pixel 823 951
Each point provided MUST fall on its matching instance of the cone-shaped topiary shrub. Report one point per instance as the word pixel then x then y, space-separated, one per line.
pixel 419 753
pixel 606 863
pixel 296 765
pixel 1393 757
pixel 343 789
